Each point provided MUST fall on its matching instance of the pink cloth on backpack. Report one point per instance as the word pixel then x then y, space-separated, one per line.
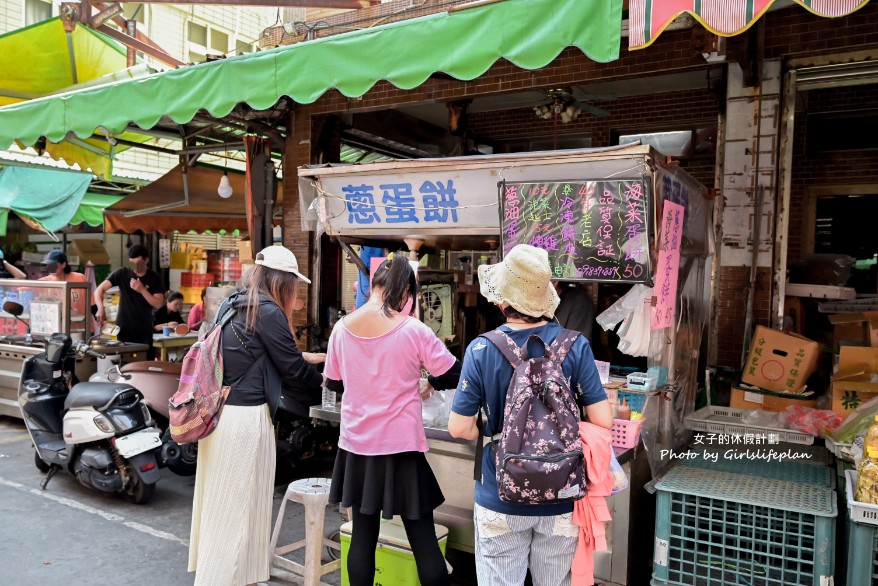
pixel 381 404
pixel 590 513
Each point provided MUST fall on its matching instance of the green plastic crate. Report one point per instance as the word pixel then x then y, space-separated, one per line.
pixel 718 528
pixel 394 560
pixel 790 471
pixel 862 566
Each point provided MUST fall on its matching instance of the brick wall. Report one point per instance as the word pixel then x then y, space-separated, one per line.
pixel 816 168
pixel 731 301
pixel 297 152
pixel 657 112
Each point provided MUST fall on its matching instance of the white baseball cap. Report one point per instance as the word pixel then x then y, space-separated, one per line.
pixel 280 258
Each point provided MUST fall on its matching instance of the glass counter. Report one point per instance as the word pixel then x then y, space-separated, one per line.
pixel 49 307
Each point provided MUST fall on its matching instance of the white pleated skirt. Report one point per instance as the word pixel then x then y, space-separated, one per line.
pixel 231 512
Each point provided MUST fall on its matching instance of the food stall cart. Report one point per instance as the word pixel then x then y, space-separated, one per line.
pixel 553 200
pixel 49 307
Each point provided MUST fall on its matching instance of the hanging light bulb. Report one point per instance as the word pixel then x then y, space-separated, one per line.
pixel 225 190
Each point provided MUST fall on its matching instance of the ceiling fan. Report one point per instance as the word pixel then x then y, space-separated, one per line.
pixel 568 102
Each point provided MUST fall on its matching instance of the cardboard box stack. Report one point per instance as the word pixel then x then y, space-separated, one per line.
pixel 856 380
pixel 855 337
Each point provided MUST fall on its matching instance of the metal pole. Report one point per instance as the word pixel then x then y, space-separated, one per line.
pixel 785 171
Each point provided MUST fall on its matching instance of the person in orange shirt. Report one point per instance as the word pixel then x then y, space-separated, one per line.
pixel 59 269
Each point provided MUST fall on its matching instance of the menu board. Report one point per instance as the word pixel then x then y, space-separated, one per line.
pixel 45 317
pixel 593 230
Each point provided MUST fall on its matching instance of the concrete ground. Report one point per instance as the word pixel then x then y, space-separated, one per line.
pixel 69 535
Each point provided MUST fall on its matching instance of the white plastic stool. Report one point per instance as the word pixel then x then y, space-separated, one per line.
pixel 313 493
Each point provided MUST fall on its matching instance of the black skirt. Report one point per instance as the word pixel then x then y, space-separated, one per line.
pixel 395 484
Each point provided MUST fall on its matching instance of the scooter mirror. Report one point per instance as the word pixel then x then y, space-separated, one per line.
pixel 13 308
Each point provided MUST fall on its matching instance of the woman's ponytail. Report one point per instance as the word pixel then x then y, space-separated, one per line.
pixel 397 278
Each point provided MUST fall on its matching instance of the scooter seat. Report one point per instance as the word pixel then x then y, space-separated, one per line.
pixel 94 394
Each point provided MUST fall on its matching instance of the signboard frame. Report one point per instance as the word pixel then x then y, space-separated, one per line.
pixel 648 193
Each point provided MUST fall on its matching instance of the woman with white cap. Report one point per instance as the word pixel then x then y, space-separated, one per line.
pixel 510 538
pixel 231 513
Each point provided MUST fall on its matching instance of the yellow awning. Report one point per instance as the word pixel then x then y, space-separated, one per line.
pixel 44 59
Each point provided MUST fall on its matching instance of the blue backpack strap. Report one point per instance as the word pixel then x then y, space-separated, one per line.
pixel 507 347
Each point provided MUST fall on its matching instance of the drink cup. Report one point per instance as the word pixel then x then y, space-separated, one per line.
pixel 167 330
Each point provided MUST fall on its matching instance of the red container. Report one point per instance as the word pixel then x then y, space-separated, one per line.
pixel 196 280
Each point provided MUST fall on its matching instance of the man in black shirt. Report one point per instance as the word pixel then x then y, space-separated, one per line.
pixel 576 310
pixel 140 292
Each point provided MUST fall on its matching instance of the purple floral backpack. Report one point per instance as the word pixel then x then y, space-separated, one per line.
pixel 539 451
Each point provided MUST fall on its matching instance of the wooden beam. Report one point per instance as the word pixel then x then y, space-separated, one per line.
pixel 350 4
pixel 158 54
pixel 108 12
pixel 122 23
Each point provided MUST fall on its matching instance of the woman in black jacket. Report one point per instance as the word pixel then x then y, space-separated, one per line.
pixel 231 515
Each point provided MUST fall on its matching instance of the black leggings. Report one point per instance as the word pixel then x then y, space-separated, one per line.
pixel 422 538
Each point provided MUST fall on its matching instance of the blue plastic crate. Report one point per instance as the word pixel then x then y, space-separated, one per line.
pixel 634 399
pixel 862 564
pixel 723 529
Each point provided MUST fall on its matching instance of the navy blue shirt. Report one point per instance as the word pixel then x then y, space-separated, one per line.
pixel 485 379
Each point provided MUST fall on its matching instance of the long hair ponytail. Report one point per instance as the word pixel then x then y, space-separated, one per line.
pixel 397 278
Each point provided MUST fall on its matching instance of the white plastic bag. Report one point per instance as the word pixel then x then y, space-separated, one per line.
pixel 620 479
pixel 434 411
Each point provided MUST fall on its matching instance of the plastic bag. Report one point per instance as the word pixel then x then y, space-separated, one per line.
pixel 814 422
pixel 856 423
pixel 623 307
pixel 759 418
pixel 434 411
pixel 620 479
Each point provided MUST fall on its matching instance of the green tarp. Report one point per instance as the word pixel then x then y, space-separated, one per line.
pixel 464 44
pixel 45 198
pixel 91 209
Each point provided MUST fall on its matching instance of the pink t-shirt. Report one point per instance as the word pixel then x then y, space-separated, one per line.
pixel 196 316
pixel 381 406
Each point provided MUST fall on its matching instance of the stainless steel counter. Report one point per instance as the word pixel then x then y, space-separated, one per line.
pixel 452 462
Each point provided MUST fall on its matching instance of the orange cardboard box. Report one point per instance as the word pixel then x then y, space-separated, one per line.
pixel 779 362
pixel 855 329
pixel 856 380
pixel 768 401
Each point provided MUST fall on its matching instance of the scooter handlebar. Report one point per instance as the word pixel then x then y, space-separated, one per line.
pixel 83 348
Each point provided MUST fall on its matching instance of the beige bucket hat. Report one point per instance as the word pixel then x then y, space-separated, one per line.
pixel 523 280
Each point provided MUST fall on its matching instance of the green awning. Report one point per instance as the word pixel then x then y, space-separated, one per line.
pixel 91 209
pixel 464 44
pixel 44 198
pixel 42 60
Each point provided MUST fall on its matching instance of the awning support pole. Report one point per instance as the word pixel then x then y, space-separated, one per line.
pixel 165 206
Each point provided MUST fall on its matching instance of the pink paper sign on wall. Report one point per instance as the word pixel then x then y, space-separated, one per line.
pixel 668 267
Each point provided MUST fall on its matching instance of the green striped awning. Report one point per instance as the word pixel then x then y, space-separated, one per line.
pixel 462 44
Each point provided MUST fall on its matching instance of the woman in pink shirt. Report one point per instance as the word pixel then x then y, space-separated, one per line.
pixel 375 357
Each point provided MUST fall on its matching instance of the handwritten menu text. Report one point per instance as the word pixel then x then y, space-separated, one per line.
pixel 592 230
pixel 667 271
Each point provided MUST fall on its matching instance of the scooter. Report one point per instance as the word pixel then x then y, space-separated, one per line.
pixel 298 439
pixel 102 433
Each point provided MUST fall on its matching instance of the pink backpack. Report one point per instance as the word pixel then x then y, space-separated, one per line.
pixel 539 452
pixel 195 408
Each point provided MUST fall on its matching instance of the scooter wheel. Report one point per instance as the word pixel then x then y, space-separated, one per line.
pixel 39 463
pixel 139 493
